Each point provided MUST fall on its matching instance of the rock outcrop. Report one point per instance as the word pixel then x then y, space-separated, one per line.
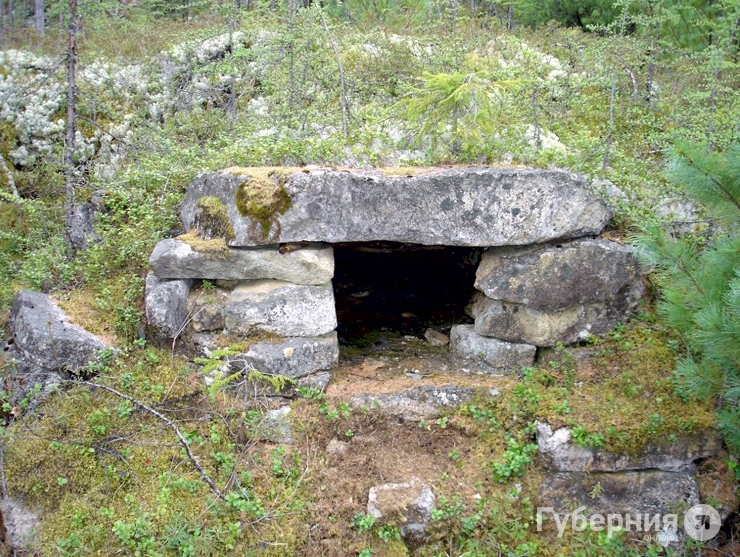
pixel 558 452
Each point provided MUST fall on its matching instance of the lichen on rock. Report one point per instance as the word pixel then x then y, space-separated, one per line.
pixel 262 197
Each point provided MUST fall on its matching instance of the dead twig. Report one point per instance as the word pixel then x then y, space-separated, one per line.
pixel 184 442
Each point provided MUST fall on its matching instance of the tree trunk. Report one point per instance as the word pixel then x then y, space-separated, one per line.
pixel 342 83
pixel 10 14
pixel 39 17
pixel 69 152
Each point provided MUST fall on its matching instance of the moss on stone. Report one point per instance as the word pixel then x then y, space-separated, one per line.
pixel 211 219
pixel 215 247
pixel 262 196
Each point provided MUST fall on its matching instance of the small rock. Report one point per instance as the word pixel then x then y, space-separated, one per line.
pixel 408 504
pixel 336 446
pixel 494 354
pixel 207 309
pixel 276 426
pixel 318 381
pixel 435 338
pixel 419 403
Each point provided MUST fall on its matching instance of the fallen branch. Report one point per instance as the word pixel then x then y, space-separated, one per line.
pixel 193 460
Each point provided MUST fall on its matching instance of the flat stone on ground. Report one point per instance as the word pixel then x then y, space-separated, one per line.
pixel 420 403
pixel 558 452
pixel 293 357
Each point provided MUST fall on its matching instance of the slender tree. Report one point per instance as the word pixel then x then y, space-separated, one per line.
pixel 39 17
pixel 69 153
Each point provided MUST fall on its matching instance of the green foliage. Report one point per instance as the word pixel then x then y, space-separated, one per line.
pixel 461 105
pixel 363 522
pixel 582 437
pixel 514 461
pixel 700 283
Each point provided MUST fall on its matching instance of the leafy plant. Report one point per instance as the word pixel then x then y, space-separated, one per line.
pixel 363 522
pixel 515 459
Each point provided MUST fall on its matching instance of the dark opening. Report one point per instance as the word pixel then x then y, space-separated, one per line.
pixel 404 288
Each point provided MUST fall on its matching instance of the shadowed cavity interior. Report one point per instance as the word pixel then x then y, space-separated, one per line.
pixel 404 288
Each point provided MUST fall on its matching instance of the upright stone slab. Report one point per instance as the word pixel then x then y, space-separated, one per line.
pixel 310 264
pixel 166 306
pixel 461 207
pixel 557 276
pixel 286 309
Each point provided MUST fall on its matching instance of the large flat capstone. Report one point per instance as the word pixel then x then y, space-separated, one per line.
pixel 462 207
pixel 312 264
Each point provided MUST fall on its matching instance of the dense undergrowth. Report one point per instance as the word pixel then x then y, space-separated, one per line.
pixel 161 101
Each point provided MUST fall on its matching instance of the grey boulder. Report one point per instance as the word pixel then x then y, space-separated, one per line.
pixel 463 207
pixel 282 308
pixel 44 337
pixel 557 276
pixel 491 353
pixel 312 264
pixel 647 493
pixel 521 324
